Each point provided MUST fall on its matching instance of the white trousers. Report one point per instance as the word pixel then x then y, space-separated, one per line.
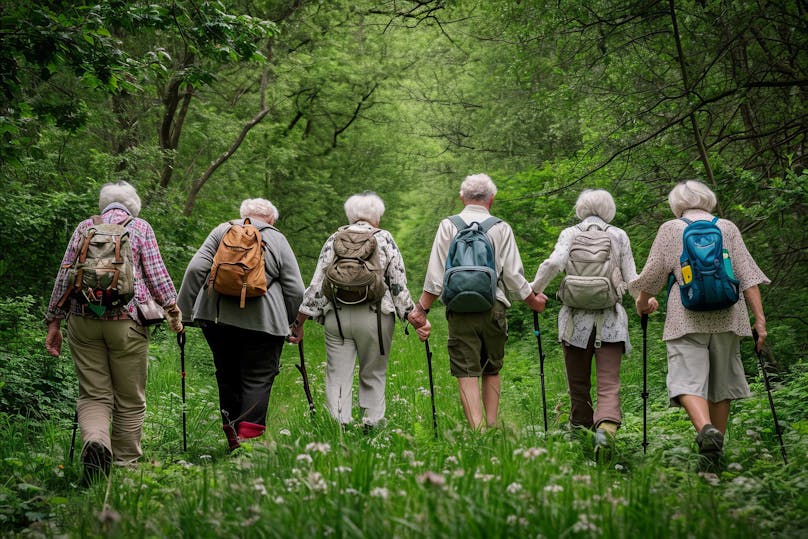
pixel 360 338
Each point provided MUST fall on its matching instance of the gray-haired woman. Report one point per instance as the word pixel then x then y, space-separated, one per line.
pixel 361 329
pixel 704 362
pixel 602 333
pixel 246 342
pixel 109 344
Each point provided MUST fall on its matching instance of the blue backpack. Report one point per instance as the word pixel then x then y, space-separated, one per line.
pixel 470 279
pixel 708 282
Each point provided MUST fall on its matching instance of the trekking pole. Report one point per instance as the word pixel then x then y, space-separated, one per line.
pixel 305 375
pixel 73 439
pixel 644 324
pixel 431 388
pixel 771 401
pixel 181 343
pixel 537 332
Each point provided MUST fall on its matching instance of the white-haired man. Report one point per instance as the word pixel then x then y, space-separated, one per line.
pixel 477 339
pixel 246 342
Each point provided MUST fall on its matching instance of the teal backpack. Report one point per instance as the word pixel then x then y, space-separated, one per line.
pixel 708 282
pixel 470 279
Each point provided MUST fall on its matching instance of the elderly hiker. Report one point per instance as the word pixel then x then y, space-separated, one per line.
pixel 476 299
pixel 244 318
pixel 598 263
pixel 108 342
pixel 705 320
pixel 357 290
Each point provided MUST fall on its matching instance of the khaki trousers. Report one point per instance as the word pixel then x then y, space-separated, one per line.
pixel 579 381
pixel 111 361
pixel 360 338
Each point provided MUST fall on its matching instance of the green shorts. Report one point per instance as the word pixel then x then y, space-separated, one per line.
pixel 707 365
pixel 477 342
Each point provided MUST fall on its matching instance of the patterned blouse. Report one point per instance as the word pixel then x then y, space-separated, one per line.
pixel 615 320
pixel 151 276
pixel 396 298
pixel 664 260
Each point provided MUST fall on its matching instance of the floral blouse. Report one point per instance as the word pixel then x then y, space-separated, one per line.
pixel 396 299
pixel 664 260
pixel 615 320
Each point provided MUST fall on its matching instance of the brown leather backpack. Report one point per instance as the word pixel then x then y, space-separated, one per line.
pixel 238 266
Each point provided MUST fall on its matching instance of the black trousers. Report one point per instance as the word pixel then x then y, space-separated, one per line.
pixel 246 365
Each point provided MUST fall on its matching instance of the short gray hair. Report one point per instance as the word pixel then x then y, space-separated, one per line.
pixel 691 195
pixel 259 207
pixel 478 187
pixel 367 206
pixel 597 202
pixel 121 192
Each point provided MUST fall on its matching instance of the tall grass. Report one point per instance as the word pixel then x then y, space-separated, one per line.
pixel 306 477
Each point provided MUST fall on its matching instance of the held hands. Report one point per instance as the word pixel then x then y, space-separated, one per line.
pixel 174 318
pixel 53 342
pixel 646 305
pixel 537 302
pixel 417 317
pixel 295 333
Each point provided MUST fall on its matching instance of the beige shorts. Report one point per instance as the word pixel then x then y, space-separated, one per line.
pixel 707 365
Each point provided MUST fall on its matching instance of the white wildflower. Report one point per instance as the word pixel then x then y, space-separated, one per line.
pixel 451 460
pixel 284 432
pixel 379 492
pixel 534 452
pixel 316 482
pixel 319 447
pixel 553 488
pixel 514 488
pixel 432 478
pixel 259 486
pixel 304 457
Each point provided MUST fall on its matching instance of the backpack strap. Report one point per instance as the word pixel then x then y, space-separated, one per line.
pixel 486 225
pixel 458 222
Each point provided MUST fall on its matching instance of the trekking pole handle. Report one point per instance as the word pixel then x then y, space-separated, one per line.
pixel 644 321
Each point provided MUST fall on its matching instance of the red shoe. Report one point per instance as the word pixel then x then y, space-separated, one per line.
pixel 247 430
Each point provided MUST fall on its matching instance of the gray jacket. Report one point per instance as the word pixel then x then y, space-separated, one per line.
pixel 271 313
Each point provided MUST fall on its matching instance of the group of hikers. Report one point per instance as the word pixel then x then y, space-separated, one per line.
pixel 244 289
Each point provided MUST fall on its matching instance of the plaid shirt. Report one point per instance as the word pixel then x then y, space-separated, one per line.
pixel 151 276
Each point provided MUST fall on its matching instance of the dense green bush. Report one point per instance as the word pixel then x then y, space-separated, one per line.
pixel 33 384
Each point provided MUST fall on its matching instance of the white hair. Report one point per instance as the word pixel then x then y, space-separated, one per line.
pixel 260 208
pixel 121 192
pixel 477 187
pixel 597 202
pixel 691 195
pixel 367 206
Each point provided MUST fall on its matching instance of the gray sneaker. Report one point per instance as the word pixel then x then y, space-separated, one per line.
pixel 711 449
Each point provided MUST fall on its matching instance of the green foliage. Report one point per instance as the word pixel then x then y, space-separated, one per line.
pixel 308 477
pixel 33 385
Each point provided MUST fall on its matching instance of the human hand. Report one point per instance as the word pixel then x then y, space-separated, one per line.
pixel 417 317
pixel 174 318
pixel 537 302
pixel 424 331
pixel 646 305
pixel 295 333
pixel 53 342
pixel 760 334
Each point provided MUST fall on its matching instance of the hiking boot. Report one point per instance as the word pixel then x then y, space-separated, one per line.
pixel 711 449
pixel 232 437
pixel 604 440
pixel 97 460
